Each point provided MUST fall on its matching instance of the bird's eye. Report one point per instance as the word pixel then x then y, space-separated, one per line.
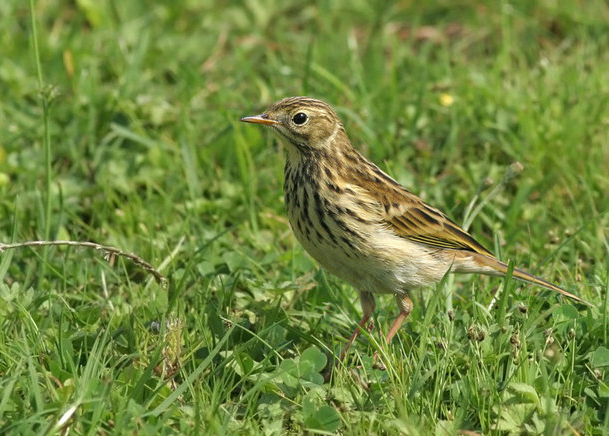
pixel 300 118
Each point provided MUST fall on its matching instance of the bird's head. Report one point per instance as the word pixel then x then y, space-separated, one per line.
pixel 307 123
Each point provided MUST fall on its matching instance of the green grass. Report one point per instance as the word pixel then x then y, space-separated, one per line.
pixel 136 105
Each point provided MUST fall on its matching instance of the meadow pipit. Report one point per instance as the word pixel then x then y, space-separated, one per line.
pixel 359 223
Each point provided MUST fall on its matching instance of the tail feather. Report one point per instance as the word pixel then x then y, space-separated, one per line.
pixel 501 269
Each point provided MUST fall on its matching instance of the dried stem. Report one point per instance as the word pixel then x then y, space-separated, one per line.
pixel 110 253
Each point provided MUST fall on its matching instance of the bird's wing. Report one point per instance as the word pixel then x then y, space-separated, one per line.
pixel 409 216
pixel 417 221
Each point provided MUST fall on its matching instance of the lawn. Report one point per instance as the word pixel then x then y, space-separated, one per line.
pixel 119 125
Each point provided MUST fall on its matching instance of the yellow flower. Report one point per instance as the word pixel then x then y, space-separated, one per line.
pixel 446 99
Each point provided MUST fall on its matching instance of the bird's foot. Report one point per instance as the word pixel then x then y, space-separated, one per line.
pixel 377 362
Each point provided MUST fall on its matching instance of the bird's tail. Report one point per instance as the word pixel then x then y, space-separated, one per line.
pixel 501 269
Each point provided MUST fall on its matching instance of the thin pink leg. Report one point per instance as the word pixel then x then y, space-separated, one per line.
pixel 405 304
pixel 354 336
pixel 368 305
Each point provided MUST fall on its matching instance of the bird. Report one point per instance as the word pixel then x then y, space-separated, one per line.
pixel 360 224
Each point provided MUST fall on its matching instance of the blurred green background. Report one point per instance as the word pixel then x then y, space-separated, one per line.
pixel 120 126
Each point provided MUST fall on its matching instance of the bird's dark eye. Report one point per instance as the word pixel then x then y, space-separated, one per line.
pixel 300 118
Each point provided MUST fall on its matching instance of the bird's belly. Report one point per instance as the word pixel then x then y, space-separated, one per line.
pixel 371 258
pixel 362 272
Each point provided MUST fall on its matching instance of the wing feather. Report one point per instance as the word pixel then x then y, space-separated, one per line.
pixel 409 216
pixel 426 225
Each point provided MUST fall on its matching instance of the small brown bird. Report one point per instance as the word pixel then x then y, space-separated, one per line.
pixel 359 223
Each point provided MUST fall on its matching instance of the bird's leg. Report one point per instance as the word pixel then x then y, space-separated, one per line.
pixel 368 305
pixel 405 304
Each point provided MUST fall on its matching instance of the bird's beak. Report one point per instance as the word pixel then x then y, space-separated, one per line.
pixel 260 119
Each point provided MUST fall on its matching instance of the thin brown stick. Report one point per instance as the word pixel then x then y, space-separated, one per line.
pixel 110 253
